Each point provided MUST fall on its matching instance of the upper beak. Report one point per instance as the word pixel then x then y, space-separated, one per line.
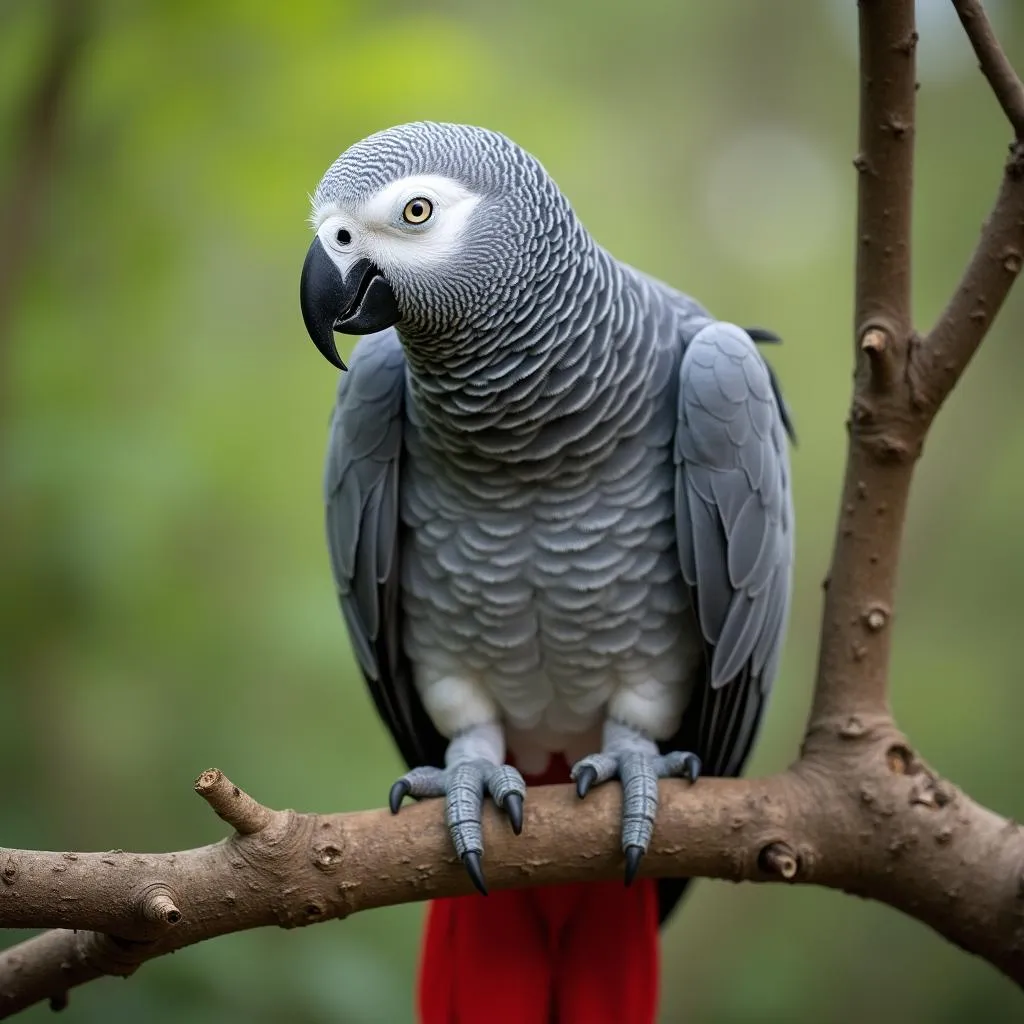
pixel 361 302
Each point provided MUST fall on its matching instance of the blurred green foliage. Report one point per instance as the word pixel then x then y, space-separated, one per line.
pixel 165 600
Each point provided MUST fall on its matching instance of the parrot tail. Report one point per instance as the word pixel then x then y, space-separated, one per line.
pixel 585 953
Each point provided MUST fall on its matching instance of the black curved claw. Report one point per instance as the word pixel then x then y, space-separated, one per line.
pixel 693 768
pixel 513 807
pixel 763 335
pixel 634 854
pixel 471 858
pixel 585 778
pixel 399 791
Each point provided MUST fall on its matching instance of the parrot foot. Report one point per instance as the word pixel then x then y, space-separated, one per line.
pixel 638 769
pixel 464 785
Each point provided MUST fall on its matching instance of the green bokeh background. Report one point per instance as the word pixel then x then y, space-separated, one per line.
pixel 165 600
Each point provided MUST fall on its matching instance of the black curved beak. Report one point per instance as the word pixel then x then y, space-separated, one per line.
pixel 361 302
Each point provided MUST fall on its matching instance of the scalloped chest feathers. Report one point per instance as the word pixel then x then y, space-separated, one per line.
pixel 548 570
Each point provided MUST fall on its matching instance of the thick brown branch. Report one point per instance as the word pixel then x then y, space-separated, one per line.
pixel 885 166
pixel 993 62
pixel 310 867
pixel 868 819
pixel 855 639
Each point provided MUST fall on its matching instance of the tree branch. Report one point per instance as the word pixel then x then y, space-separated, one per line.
pixel 997 260
pixel 993 62
pixel 238 809
pixel 854 653
pixel 859 811
pixel 987 279
pixel 834 828
pixel 885 166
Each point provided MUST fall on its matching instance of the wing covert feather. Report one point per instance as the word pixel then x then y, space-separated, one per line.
pixel 734 525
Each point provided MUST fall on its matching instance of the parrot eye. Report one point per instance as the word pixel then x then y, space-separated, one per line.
pixel 343 237
pixel 417 211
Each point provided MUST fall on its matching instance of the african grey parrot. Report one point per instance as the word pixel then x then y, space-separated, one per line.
pixel 557 497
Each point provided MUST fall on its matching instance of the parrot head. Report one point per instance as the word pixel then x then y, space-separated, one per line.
pixel 431 228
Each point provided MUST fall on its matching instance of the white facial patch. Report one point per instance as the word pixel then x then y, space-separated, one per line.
pixel 376 228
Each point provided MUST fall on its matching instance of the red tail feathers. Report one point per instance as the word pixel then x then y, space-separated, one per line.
pixel 568 954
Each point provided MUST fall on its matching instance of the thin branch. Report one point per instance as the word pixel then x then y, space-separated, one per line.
pixel 779 859
pixel 993 62
pixel 997 260
pixel 986 282
pixel 245 815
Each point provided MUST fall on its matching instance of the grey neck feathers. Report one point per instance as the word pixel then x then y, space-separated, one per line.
pixel 561 381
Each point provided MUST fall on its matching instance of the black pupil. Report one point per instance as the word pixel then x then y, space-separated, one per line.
pixel 343 237
pixel 416 209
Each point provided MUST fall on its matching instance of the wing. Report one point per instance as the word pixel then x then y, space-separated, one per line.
pixel 734 527
pixel 361 483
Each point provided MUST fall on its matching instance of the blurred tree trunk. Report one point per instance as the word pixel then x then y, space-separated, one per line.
pixel 39 135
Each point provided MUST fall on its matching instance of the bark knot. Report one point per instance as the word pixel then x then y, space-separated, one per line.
pixel 876 617
pixel 778 858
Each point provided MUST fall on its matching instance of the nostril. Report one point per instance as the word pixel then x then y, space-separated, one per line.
pixel 343 236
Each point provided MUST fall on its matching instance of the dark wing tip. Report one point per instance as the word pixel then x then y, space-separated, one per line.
pixel 763 335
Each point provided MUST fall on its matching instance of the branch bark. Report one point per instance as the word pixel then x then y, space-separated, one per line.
pixel 853 659
pixel 993 62
pixel 875 822
pixel 859 811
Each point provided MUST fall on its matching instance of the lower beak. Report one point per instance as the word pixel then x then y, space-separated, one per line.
pixel 360 302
